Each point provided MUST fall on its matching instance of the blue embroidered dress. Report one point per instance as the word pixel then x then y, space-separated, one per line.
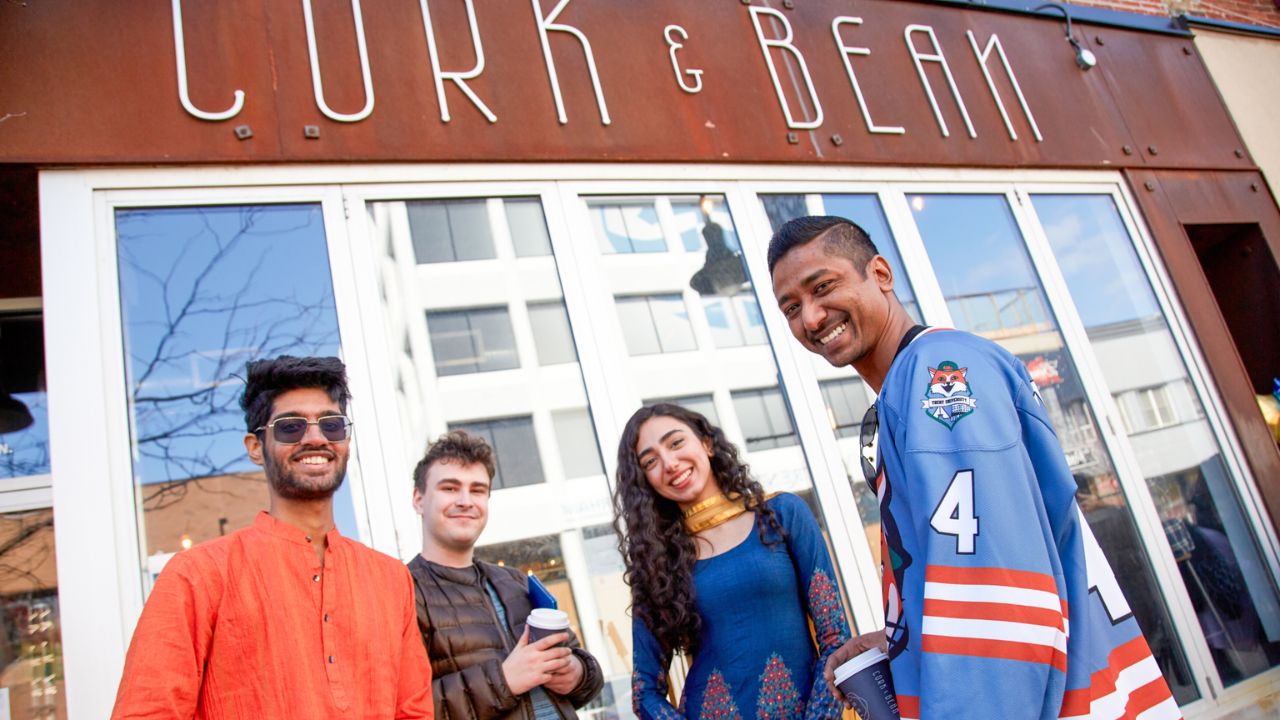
pixel 757 658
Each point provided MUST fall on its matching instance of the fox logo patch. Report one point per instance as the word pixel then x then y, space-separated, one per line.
pixel 948 398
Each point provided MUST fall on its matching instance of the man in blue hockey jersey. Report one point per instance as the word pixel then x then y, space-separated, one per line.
pixel 998 600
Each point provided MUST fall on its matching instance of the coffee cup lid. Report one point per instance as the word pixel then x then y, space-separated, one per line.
pixel 859 663
pixel 548 619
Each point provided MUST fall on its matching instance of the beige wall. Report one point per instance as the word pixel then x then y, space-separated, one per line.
pixel 1245 69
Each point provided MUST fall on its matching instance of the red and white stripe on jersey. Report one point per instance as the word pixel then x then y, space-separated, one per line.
pixel 994 613
pixel 909 707
pixel 1130 687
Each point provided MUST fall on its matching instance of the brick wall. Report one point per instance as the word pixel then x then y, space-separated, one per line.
pixel 1254 12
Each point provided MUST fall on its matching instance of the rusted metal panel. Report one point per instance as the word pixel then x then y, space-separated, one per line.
pixel 1169 101
pixel 95 82
pixel 1171 199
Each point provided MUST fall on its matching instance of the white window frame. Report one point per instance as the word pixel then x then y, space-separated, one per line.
pixel 98 554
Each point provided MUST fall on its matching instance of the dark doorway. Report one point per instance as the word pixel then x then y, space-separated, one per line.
pixel 1242 272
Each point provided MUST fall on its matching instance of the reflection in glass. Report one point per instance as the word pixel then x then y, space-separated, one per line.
pixel 528 230
pixel 550 472
pixel 449 230
pixel 540 556
pixel 1218 557
pixel 735 321
pixel 550 325
pixel 842 390
pixel 30 626
pixel 24 416
pixel 655 324
pixel 692 218
pixel 703 404
pixel 764 418
pixel 628 228
pixel 515 449
pixel 728 373
pixel 576 438
pixel 205 289
pixel 992 289
pixel 472 340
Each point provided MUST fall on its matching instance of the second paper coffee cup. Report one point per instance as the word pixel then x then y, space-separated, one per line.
pixel 545 621
pixel 866 682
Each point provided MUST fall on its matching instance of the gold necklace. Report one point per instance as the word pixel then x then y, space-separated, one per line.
pixel 712 512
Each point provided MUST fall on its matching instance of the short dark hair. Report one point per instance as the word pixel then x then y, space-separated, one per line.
pixel 457 446
pixel 841 236
pixel 267 379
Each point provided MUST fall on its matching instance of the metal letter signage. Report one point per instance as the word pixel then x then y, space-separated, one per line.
pixel 696 87
pixel 180 49
pixel 458 78
pixel 937 57
pixel 547 24
pixel 985 53
pixel 845 52
pixel 784 43
pixel 318 85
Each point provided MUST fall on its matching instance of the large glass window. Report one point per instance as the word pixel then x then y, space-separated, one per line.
pixel 24 417
pixel 843 393
pixel 987 278
pixel 690 332
pixel 1217 554
pixel 550 472
pixel 204 290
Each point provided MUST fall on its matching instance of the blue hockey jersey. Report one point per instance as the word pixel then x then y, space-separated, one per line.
pixel 998 600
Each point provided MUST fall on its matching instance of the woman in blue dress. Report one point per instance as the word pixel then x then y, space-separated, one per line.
pixel 722 575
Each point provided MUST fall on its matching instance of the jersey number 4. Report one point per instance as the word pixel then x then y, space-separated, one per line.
pixel 954 515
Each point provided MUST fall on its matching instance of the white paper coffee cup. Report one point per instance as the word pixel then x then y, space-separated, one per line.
pixel 866 682
pixel 545 621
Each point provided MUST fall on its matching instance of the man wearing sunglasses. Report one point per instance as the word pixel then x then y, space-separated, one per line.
pixel 998 600
pixel 286 618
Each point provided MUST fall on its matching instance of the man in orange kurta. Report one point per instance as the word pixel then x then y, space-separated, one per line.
pixel 286 618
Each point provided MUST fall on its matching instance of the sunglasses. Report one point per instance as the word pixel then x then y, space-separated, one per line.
pixel 868 435
pixel 291 430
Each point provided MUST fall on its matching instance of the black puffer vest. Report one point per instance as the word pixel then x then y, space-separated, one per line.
pixel 460 630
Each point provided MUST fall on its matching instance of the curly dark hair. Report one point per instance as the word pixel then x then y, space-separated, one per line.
pixel 658 552
pixel 266 379
pixel 457 446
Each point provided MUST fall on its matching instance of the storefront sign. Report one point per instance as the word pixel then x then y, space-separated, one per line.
pixel 295 80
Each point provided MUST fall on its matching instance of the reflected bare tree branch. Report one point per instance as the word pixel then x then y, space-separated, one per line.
pixel 206 303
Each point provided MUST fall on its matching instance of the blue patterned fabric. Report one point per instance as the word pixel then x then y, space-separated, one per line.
pixel 757 657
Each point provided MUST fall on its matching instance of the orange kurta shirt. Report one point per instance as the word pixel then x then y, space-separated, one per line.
pixel 251 626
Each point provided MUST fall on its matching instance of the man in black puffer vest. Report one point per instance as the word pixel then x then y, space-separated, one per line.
pixel 472 613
